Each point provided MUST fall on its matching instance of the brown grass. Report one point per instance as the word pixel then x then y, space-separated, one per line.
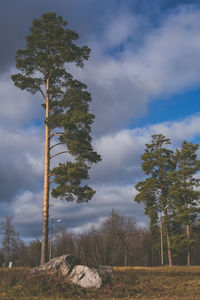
pixel 166 282
pixel 144 283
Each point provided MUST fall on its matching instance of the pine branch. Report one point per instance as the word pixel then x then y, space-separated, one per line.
pixel 56 134
pixel 41 91
pixel 50 181
pixel 56 145
pixel 58 154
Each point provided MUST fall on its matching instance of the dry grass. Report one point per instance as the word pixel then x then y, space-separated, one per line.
pixel 166 282
pixel 18 283
pixel 144 283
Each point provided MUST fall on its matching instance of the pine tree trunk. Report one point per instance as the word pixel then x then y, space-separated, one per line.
pixel 161 241
pixel 44 249
pixel 188 238
pixel 105 251
pixel 169 250
pixel 188 253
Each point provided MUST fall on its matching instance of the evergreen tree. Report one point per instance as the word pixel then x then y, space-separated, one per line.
pixel 66 102
pixel 185 198
pixel 153 191
pixel 10 239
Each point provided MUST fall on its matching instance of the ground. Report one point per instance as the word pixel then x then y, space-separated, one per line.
pixel 128 283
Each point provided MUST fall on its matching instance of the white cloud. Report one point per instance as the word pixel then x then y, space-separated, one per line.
pixel 75 217
pixel 29 205
pixel 121 151
pixel 18 108
pixel 20 161
pixel 188 129
pixel 35 164
pixel 124 81
pixel 122 28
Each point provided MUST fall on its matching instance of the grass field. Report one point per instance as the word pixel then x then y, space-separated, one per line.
pixel 165 282
pixel 128 283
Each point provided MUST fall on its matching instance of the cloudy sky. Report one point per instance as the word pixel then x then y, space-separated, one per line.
pixel 144 77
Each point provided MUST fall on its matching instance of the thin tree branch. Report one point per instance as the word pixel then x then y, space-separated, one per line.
pixel 56 145
pixel 50 181
pixel 58 154
pixel 41 91
pixel 56 134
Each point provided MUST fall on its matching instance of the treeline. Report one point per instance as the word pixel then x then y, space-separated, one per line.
pixel 118 242
pixel 170 193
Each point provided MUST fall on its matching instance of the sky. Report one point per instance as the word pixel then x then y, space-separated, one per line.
pixel 144 78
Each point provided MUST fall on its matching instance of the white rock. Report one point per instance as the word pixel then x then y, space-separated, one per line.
pixel 62 265
pixel 85 277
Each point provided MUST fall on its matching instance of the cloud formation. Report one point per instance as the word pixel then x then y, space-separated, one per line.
pixel 121 152
pixel 113 179
pixel 18 108
pixel 165 63
pixel 21 162
pixel 141 52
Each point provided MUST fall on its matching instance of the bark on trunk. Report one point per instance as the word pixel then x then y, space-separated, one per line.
pixel 105 252
pixel 188 253
pixel 169 251
pixel 161 241
pixel 44 249
pixel 188 238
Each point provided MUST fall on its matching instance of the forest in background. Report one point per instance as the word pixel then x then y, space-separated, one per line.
pixel 118 242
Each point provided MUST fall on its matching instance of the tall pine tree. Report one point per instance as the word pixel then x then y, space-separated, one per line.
pixel 10 239
pixel 184 193
pixel 68 122
pixel 153 191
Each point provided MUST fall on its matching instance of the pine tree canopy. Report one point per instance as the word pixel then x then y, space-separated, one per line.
pixel 156 159
pixel 157 163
